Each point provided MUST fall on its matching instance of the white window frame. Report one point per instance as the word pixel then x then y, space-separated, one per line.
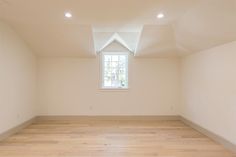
pixel 102 54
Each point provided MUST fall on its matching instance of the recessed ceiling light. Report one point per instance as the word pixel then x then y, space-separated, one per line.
pixel 68 15
pixel 160 16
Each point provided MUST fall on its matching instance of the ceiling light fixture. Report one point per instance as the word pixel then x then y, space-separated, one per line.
pixel 68 15
pixel 160 16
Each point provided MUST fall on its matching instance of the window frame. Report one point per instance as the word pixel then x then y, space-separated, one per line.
pixel 102 59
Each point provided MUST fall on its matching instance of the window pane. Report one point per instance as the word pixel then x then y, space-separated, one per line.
pixel 107 57
pixel 107 83
pixel 122 65
pixel 114 64
pixel 122 71
pixel 115 71
pixel 115 58
pixel 107 64
pixel 122 59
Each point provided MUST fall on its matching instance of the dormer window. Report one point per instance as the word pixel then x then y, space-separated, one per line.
pixel 114 70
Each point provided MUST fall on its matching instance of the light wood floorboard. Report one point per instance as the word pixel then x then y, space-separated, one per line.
pixel 110 138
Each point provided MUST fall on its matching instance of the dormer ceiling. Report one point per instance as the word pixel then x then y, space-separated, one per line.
pixel 127 40
pixel 188 26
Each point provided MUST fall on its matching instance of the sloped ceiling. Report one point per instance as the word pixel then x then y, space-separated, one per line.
pixel 207 24
pixel 157 41
pixel 188 27
pixel 115 46
pixel 129 40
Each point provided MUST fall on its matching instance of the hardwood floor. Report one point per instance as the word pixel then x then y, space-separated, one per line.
pixel 110 138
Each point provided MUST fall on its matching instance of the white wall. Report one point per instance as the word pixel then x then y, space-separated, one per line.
pixel 70 86
pixel 17 73
pixel 209 90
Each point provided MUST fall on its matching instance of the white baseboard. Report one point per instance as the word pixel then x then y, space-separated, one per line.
pixel 16 129
pixel 197 127
pixel 110 117
pixel 227 144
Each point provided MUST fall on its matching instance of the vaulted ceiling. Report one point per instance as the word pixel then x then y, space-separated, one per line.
pixel 188 26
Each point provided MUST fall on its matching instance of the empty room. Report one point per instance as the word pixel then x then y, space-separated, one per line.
pixel 117 78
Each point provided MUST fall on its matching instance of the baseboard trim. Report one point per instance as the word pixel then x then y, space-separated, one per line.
pixel 16 129
pixel 197 127
pixel 227 144
pixel 162 117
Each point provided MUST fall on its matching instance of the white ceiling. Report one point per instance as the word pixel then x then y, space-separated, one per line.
pixel 189 25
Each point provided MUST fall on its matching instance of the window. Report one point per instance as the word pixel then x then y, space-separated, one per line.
pixel 114 70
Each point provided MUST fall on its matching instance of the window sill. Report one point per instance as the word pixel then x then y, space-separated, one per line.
pixel 114 89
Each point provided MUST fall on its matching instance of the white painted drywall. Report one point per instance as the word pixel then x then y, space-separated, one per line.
pixel 17 80
pixel 209 90
pixel 70 86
